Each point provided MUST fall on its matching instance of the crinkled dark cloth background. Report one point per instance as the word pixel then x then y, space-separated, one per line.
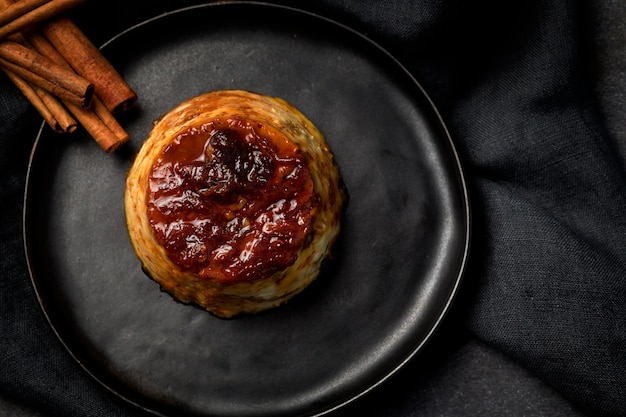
pixel 533 94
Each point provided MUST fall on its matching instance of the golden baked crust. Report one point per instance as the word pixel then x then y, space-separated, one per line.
pixel 228 297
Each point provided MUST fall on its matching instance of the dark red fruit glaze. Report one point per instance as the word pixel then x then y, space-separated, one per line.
pixel 231 200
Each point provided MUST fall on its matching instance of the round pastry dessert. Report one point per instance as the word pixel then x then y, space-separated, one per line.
pixel 233 202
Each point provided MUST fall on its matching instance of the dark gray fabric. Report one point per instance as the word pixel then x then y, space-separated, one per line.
pixel 533 95
pixel 605 34
pixel 473 381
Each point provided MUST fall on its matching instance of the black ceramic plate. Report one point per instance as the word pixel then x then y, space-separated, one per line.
pixel 398 262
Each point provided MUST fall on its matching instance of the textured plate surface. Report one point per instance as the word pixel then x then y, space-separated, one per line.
pixel 398 262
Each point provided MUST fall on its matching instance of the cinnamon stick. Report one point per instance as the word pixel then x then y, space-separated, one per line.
pixel 15 10
pixel 35 16
pixel 71 50
pixel 41 71
pixel 109 120
pixel 65 120
pixel 97 129
pixel 41 82
pixel 35 100
pixel 89 62
pixel 36 40
pixel 43 46
pixel 48 107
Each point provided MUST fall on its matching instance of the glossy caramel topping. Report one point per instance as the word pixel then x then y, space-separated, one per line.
pixel 231 200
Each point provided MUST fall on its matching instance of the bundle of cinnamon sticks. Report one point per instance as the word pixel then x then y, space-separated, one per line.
pixel 61 72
